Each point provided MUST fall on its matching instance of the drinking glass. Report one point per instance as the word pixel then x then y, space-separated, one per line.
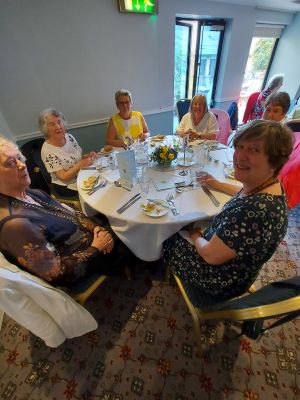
pixel 99 165
pixel 145 185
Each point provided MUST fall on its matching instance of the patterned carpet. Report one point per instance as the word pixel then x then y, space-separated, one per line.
pixel 144 348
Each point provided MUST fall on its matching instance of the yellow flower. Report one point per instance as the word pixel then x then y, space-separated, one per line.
pixel 162 156
pixel 171 156
pixel 165 149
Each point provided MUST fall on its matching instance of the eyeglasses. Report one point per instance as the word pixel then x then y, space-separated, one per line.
pixel 123 103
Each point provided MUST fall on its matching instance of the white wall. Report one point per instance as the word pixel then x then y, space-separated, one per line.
pixel 287 58
pixel 75 54
pixel 4 128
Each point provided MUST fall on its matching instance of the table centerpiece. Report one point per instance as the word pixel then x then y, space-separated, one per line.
pixel 164 155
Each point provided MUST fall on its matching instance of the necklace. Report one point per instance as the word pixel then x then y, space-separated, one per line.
pixel 264 185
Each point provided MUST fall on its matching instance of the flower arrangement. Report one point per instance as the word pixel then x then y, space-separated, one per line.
pixel 164 155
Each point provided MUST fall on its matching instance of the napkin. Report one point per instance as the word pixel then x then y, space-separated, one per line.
pixel 111 176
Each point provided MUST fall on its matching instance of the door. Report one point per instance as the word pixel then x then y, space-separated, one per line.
pixel 182 60
pixel 198 45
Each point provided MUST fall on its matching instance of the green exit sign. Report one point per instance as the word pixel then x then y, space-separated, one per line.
pixel 139 6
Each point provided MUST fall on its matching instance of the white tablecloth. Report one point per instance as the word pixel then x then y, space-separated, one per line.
pixel 142 234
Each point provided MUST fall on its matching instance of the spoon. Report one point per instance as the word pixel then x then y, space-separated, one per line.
pixel 118 184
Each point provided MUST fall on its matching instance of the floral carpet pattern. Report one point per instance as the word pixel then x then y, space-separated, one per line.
pixel 144 348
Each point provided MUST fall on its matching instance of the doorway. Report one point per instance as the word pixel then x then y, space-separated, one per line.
pixel 198 46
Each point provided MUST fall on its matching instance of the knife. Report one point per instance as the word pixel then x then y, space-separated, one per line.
pixel 129 203
pixel 211 196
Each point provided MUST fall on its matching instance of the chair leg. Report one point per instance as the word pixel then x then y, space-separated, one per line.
pixel 197 330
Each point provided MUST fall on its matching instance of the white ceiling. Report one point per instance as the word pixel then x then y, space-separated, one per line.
pixel 292 6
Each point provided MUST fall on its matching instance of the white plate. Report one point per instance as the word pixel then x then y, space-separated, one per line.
pixel 106 152
pixel 87 187
pixel 185 162
pixel 157 138
pixel 159 211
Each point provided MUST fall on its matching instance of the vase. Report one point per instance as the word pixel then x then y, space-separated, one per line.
pixel 164 164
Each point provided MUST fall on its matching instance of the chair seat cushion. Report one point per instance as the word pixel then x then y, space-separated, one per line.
pixel 273 293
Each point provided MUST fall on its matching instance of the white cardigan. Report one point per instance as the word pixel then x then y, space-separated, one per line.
pixel 47 312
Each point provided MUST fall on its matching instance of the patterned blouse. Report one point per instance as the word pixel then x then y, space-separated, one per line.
pixel 253 226
pixel 49 240
pixel 58 158
pixel 259 108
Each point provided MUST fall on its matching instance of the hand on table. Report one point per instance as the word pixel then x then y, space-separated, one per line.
pixel 103 240
pixel 206 179
pixel 86 162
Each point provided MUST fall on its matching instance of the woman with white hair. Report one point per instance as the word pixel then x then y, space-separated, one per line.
pixel 199 123
pixel 61 153
pixel 126 124
pixel 273 86
pixel 46 238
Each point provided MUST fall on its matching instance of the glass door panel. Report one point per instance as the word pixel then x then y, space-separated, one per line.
pixel 182 57
pixel 258 64
pixel 209 41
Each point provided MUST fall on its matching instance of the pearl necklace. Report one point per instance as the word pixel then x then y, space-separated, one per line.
pixel 259 188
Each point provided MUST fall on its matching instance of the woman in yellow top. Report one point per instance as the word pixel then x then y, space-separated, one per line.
pixel 127 123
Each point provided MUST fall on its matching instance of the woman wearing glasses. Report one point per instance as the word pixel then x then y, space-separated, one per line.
pixel 126 125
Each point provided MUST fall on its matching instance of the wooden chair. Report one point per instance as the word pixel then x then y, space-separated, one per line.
pixel 269 301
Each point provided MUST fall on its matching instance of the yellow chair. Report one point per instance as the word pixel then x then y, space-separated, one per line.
pixel 47 311
pixel 82 291
pixel 276 299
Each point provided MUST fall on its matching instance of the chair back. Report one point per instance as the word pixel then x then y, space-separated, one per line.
pixel 233 113
pixel 248 114
pixel 40 178
pixel 294 124
pixel 182 107
pixel 224 124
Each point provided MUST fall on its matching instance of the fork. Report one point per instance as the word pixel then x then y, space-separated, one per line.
pixel 170 200
pixel 95 188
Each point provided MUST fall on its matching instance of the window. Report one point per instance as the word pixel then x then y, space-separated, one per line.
pixel 198 45
pixel 260 58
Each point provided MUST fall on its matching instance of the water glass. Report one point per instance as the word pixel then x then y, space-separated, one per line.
pixel 99 165
pixel 145 185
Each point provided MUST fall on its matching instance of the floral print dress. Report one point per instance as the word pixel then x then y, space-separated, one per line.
pixel 253 226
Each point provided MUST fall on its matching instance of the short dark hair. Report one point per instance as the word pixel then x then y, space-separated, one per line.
pixel 278 139
pixel 281 99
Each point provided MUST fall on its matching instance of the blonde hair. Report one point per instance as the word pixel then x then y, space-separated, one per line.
pixel 202 99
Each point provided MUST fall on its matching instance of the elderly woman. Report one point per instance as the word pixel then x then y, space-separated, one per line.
pixel 274 85
pixel 226 258
pixel 277 106
pixel 199 123
pixel 46 238
pixel 61 153
pixel 126 125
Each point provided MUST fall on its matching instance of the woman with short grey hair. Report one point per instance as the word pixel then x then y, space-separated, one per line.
pixel 273 86
pixel 126 125
pixel 61 153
